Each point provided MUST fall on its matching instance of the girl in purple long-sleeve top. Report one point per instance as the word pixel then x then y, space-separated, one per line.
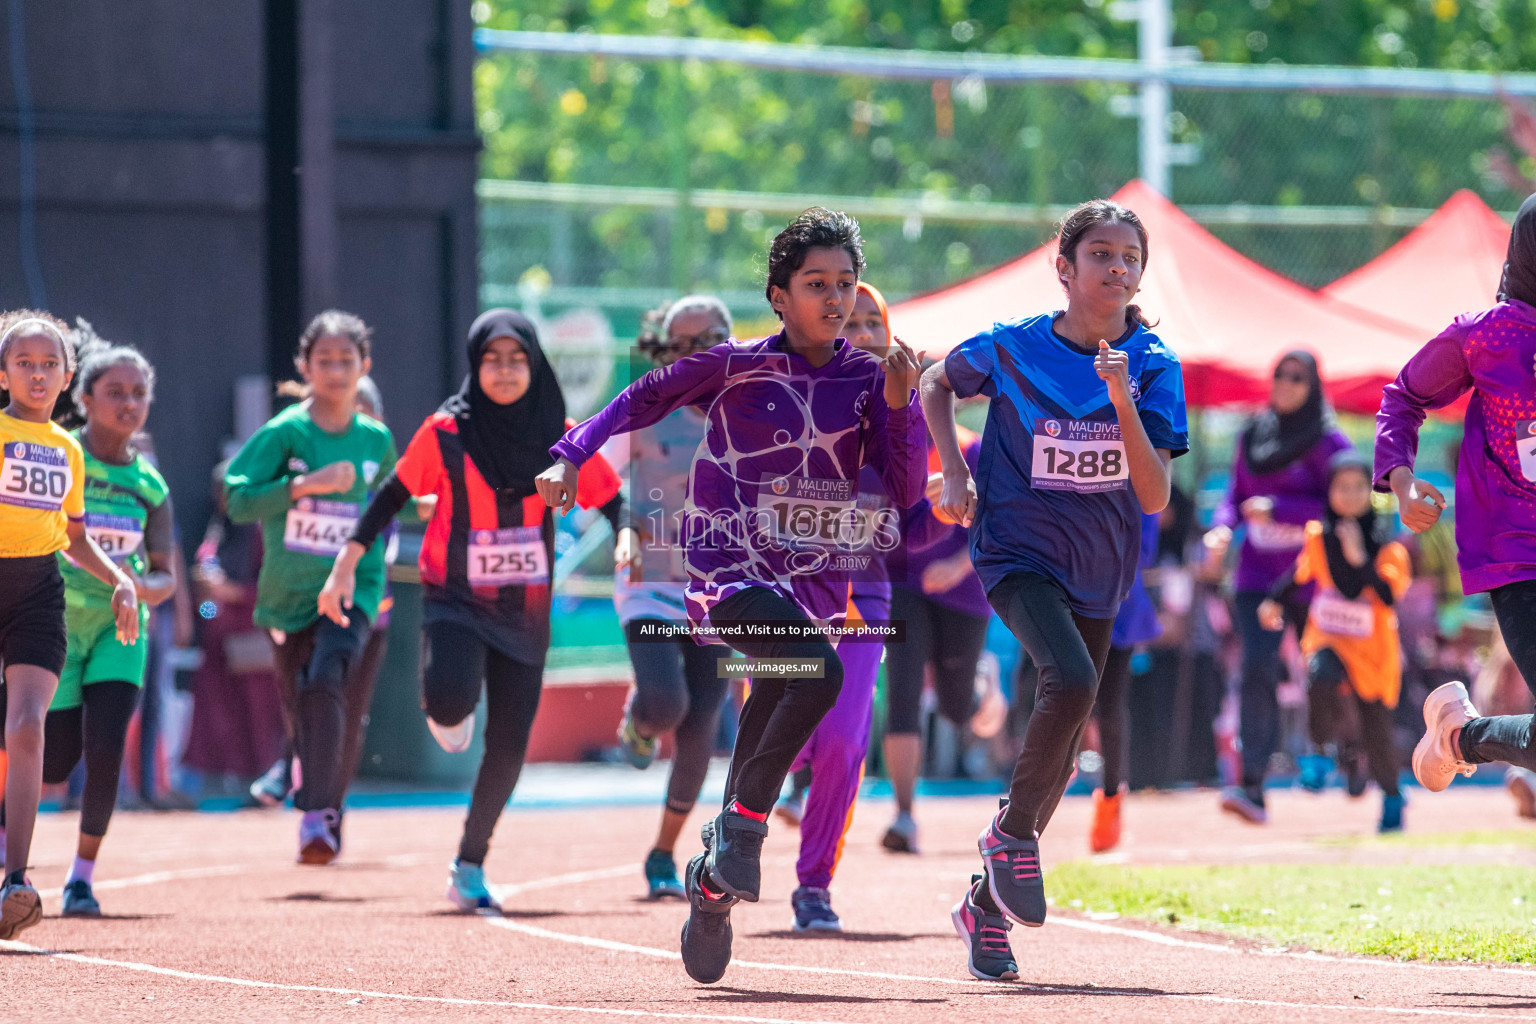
pixel 1491 354
pixel 772 525
pixel 1279 484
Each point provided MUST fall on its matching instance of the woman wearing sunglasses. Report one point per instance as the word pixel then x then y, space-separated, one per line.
pixel 1279 483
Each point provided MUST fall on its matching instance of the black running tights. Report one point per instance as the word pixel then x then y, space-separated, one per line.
pixel 780 714
pixel 457 663
pixel 1070 651
pixel 1509 738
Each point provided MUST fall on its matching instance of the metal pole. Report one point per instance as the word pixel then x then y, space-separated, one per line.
pixel 1153 38
pixel 317 156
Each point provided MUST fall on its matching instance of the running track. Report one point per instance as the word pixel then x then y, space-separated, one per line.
pixel 210 920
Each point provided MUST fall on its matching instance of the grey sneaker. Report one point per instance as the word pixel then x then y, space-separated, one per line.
pixel 79 901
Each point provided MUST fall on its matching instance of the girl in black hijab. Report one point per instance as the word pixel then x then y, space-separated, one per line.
pixel 1279 484
pixel 486 563
pixel 1519 281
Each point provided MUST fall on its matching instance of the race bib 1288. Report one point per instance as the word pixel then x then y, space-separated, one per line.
pixel 1087 456
pixel 35 476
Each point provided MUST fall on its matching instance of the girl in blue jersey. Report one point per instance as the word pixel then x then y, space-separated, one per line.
pixel 1087 410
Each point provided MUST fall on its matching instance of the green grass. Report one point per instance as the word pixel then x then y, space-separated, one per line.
pixel 1525 838
pixel 1476 912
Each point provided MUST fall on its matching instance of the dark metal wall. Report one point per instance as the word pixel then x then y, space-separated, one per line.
pixel 158 215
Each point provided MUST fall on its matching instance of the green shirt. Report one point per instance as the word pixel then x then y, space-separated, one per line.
pixel 301 539
pixel 127 514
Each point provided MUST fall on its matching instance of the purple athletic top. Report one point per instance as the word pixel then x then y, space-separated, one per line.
pixel 947 540
pixel 1300 494
pixel 1493 355
pixel 773 494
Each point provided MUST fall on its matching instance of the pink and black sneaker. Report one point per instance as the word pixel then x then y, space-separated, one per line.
pixel 985 935
pixel 1013 873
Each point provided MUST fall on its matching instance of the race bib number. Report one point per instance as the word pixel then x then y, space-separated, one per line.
pixel 117 536
pixel 1272 536
pixel 1333 613
pixel 1087 456
pixel 804 511
pixel 35 476
pixel 1525 444
pixel 515 556
pixel 318 527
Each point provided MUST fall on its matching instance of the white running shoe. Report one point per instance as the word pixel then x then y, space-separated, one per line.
pixel 453 738
pixel 1435 763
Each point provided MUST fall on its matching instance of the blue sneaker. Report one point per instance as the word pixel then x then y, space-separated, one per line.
pixel 20 906
pixel 989 957
pixel 1312 772
pixel 469 891
pixel 638 750
pixel 661 877
pixel 1013 873
pixel 813 911
pixel 79 901
pixel 1391 814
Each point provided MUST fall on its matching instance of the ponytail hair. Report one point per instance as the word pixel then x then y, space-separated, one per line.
pixel 1087 216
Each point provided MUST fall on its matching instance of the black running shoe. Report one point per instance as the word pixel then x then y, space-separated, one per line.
pixel 985 935
pixel 734 845
pixel 707 932
pixel 1013 873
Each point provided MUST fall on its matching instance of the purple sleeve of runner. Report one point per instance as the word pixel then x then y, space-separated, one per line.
pixel 896 444
pixel 1435 377
pixel 649 400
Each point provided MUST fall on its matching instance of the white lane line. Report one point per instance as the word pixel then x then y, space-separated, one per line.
pixel 22 947
pixel 614 946
pixel 1161 939
pixel 154 878
pixel 998 988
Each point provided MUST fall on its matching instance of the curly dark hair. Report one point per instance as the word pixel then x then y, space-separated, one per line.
pixel 816 228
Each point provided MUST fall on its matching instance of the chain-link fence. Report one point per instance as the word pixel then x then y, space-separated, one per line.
pixel 613 183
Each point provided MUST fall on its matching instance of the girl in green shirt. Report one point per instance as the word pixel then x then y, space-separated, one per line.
pixel 305 477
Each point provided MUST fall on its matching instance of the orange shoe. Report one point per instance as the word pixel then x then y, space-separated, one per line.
pixel 1104 833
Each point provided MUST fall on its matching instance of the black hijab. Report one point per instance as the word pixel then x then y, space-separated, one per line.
pixel 509 444
pixel 1352 580
pixel 1274 440
pixel 1520 263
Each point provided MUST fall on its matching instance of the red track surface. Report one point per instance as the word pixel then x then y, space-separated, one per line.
pixel 238 932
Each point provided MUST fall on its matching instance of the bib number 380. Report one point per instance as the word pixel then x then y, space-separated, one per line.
pixel 1078 455
pixel 34 476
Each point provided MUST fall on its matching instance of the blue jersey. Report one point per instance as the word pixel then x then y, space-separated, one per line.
pixel 1054 490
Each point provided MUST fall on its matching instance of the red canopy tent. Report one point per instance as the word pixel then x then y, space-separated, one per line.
pixel 1229 318
pixel 1446 266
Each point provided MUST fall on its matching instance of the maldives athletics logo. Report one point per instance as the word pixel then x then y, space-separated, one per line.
pixel 1053 428
pixel 780 486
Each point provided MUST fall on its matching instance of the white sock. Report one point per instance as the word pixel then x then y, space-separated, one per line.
pixel 81 871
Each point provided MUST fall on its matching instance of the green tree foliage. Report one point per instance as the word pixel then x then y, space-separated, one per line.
pixel 701 126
